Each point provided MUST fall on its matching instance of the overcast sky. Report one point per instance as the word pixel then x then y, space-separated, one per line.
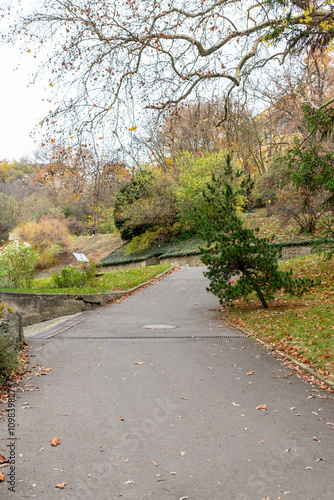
pixel 21 105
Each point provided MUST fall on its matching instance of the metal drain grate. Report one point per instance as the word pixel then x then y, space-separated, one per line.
pixel 153 337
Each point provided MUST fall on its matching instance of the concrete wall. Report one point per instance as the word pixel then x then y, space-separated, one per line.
pixel 37 307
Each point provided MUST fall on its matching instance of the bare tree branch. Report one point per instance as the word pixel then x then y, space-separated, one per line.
pixel 111 58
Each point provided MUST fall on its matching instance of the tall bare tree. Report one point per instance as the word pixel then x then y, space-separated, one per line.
pixel 108 56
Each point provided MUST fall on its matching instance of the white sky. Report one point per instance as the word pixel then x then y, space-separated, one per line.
pixel 21 106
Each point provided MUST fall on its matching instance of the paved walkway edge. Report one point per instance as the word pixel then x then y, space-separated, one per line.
pixel 304 367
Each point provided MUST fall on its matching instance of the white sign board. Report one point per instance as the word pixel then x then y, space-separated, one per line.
pixel 12 237
pixel 81 257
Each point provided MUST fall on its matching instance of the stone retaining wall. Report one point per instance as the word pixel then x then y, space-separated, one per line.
pixel 37 307
pixel 288 252
pixel 11 325
pixel 294 251
pixel 186 260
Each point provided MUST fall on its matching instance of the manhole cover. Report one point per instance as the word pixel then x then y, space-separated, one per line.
pixel 159 327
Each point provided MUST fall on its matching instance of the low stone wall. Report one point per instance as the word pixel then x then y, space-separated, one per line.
pixel 11 325
pixel 37 307
pixel 124 266
pixel 186 260
pixel 288 252
pixel 294 251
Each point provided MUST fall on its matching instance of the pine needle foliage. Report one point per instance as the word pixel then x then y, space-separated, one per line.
pixel 239 261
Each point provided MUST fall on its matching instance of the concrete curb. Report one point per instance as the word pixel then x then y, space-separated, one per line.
pixel 304 367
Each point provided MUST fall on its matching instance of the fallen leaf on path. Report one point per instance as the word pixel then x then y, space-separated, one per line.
pixel 261 407
pixel 139 362
pixel 180 453
pixel 47 369
pixel 183 397
pixel 173 473
pixel 129 482
pixel 61 486
pixel 235 404
pixel 2 477
pixel 63 414
pixel 40 449
pixel 121 418
pixel 3 460
pixel 55 441
pixel 308 468
pixel 249 373
pixel 155 463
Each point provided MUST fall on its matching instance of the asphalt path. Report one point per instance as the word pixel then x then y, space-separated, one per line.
pixel 165 413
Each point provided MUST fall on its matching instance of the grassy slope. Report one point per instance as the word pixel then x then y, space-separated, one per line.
pixel 121 279
pixel 302 327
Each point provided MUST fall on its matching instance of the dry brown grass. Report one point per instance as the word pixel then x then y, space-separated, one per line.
pixel 94 247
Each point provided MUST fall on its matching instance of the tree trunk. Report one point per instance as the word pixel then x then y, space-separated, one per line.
pixel 269 209
pixel 261 297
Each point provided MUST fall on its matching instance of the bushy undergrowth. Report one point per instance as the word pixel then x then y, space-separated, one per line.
pixel 17 263
pixel 72 277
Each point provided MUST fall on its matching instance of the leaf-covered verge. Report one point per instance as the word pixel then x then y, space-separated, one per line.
pixel 121 279
pixel 301 327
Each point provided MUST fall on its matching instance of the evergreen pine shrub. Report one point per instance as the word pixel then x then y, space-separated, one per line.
pixel 239 261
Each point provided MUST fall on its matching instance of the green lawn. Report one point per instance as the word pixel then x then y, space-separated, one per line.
pixel 302 327
pixel 121 279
